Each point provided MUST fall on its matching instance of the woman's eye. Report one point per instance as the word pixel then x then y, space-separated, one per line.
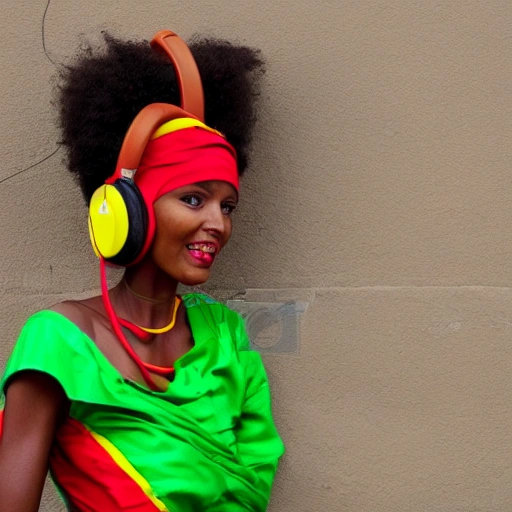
pixel 192 200
pixel 228 208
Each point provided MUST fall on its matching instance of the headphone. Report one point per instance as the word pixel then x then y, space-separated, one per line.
pixel 118 215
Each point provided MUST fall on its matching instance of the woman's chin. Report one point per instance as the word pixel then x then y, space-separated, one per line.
pixel 195 280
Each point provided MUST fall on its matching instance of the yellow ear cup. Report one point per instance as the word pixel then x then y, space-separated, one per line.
pixel 108 221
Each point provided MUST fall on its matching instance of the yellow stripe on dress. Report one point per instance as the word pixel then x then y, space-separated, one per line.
pixel 123 463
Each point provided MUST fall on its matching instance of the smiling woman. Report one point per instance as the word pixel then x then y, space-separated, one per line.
pixel 140 399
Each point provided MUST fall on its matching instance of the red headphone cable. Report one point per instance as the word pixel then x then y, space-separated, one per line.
pixel 118 331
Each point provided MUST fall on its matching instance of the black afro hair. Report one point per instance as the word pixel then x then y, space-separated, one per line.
pixel 101 92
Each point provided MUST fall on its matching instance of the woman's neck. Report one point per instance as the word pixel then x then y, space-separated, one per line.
pixel 145 296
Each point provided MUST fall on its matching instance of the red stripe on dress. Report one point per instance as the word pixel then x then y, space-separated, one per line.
pixel 88 476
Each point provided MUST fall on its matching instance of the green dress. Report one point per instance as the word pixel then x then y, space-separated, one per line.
pixel 207 443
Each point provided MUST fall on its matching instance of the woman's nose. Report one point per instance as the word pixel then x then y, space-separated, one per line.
pixel 215 221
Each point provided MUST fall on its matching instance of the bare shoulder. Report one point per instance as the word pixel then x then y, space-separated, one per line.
pixel 85 314
pixel 90 317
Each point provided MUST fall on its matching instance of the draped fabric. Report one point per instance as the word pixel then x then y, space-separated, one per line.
pixel 207 443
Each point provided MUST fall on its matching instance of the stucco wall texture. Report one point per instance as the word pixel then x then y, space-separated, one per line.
pixel 380 185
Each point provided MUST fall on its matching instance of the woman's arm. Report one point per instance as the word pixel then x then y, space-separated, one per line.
pixel 33 406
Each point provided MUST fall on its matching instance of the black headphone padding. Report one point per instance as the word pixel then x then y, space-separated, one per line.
pixel 138 221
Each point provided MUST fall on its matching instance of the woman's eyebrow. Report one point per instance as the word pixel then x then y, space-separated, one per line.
pixel 205 185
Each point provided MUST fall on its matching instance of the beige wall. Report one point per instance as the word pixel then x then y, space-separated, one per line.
pixel 380 186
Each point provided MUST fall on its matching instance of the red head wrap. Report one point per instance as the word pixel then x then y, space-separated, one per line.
pixel 181 158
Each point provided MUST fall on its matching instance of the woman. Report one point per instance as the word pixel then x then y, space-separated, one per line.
pixel 140 399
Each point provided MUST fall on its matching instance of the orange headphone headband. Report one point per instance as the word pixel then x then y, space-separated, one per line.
pixel 189 79
pixel 151 117
pixel 146 122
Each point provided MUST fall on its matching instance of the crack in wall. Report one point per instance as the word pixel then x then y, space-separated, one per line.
pixel 31 166
pixel 43 34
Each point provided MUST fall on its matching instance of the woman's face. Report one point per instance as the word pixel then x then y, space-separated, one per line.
pixel 193 223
